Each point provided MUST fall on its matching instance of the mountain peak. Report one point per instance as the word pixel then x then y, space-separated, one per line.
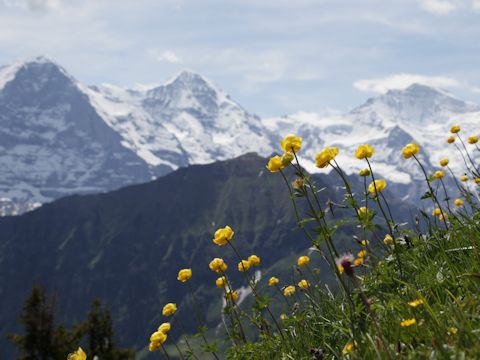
pixel 421 91
pixel 38 64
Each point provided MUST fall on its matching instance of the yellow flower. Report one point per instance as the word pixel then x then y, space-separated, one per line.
pixel 184 275
pixel 387 240
pixel 439 174
pixel 362 253
pixel 273 281
pixel 415 303
pixel 358 261
pixel 464 178
pixel 340 268
pixel 362 211
pixel 164 328
pixel 231 295
pixel 169 309
pixel 409 150
pixel 223 235
pixel 158 337
pixel 436 212
pixel 77 355
pixel 303 284
pixel 477 180
pixel 473 139
pixel 408 322
pixel 291 143
pixel 275 164
pixel 243 265
pixel 221 282
pixel 365 242
pixel 218 265
pixel 377 186
pixel 442 217
pixel 453 330
pixel 289 290
pixel 347 349
pixel 283 317
pixel 364 151
pixel 458 202
pixel 455 129
pixel 444 162
pixel 303 260
pixel 364 172
pixel 451 139
pixel 254 260
pixel 324 157
pixel 154 346
pixel 287 159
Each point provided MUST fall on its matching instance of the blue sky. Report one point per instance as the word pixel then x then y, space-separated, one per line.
pixel 273 56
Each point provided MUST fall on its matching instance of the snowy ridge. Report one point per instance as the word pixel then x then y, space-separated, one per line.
pixel 59 137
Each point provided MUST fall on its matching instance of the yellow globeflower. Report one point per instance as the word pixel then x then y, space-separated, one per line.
pixel 455 129
pixel 364 151
pixel 364 172
pixel 347 349
pixel 324 157
pixel 365 242
pixel 439 174
pixel 153 346
pixel 444 162
pixel 218 265
pixel 184 275
pixel 283 317
pixel 408 322
pixel 458 202
pixel 291 143
pixel 477 180
pixel 223 235
pixel 77 355
pixel 387 240
pixel 464 178
pixel 303 260
pixel 231 295
pixel 451 139
pixel 377 186
pixel 409 150
pixel 289 290
pixel 158 336
pixel 273 281
pixel 169 309
pixel 303 284
pixel 287 159
pixel 243 265
pixel 362 211
pixel 221 282
pixel 164 327
pixel 358 261
pixel 275 164
pixel 443 217
pixel 254 260
pixel 436 212
pixel 473 139
pixel 415 303
pixel 362 253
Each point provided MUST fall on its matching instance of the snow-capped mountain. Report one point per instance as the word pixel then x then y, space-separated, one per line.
pixel 60 137
pixel 418 114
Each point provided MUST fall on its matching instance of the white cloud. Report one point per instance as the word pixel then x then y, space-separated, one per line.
pixel 402 81
pixel 439 7
pixel 33 5
pixel 169 56
pixel 476 4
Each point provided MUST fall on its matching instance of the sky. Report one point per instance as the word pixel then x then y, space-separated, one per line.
pixel 274 57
